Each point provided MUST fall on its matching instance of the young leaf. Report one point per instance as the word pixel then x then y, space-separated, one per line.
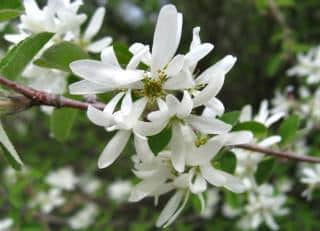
pixel 230 117
pixel 264 170
pixel 60 55
pixel 288 129
pixel 9 151
pixel 160 141
pixel 258 129
pixel 17 58
pixel 61 123
pixel 122 52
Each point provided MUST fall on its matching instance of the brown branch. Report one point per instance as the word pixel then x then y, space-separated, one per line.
pixel 279 154
pixel 38 98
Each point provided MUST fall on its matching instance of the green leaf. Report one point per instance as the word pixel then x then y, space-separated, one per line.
pixel 60 55
pixel 160 141
pixel 61 123
pixel 264 170
pixel 258 129
pixel 7 14
pixel 288 129
pixel 17 58
pixel 10 4
pixel 226 161
pixel 122 52
pixel 230 117
pixel 9 151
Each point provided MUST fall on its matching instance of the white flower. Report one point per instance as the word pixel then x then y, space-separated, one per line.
pixel 308 66
pixel 310 175
pixel 89 184
pixel 262 206
pixel 119 190
pixel 282 102
pixel 63 178
pixel 84 218
pixel 230 212
pixel 5 224
pixel 11 176
pixel 125 121
pixel 47 201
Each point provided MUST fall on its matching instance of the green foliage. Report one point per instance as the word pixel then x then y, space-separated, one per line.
pixel 9 151
pixel 160 141
pixel 230 117
pixel 264 170
pixel 60 55
pixel 61 123
pixel 17 58
pixel 288 129
pixel 9 9
pixel 258 129
pixel 226 161
pixel 122 52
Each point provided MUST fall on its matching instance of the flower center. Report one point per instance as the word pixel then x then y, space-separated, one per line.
pixel 152 87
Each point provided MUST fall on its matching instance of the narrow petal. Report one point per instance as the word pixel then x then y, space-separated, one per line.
pixel 98 117
pixel 150 128
pixel 166 37
pixel 210 91
pixel 197 184
pixel 198 53
pixel 246 114
pixel 178 147
pixel 170 208
pixel 175 66
pixel 94 24
pixel 196 41
pixel 274 118
pixel 186 105
pixel 270 141
pixel 137 58
pixel 109 108
pixel 220 68
pixel 114 148
pixel 136 48
pixel 235 138
pixel 99 45
pixel 208 125
pixel 143 149
pixel 109 57
pixel 85 87
pixel 126 105
pixel 143 189
pixel 181 81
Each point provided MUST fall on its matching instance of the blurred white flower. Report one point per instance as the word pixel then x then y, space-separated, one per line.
pixel 131 13
pixel 84 218
pixel 6 224
pixel 63 178
pixel 89 184
pixel 262 206
pixel 119 190
pixel 310 175
pixel 308 66
pixel 48 201
pixel 230 212
pixel 11 176
pixel 211 204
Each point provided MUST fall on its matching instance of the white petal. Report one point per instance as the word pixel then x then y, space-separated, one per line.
pixel 183 80
pixel 210 91
pixel 109 108
pixel 246 114
pixel 137 58
pixel 99 45
pixel 263 112
pixel 166 37
pixel 98 117
pixel 150 128
pixel 170 208
pixel 94 24
pixel 208 125
pixel 143 149
pixel 216 105
pixel 198 184
pixel 126 105
pixel 136 48
pixel 175 66
pixel 186 105
pixel 274 118
pixel 142 190
pixel 235 138
pixel 220 68
pixel 114 148
pixel 178 147
pixel 85 87
pixel 270 141
pixel 197 53
pixel 196 41
pixel 100 73
pixel 109 57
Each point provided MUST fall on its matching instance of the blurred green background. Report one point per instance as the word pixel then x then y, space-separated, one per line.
pixel 251 30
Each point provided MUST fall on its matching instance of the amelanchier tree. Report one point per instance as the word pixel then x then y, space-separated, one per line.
pixel 185 143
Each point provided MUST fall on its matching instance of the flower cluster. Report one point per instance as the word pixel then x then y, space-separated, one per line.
pixel 167 95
